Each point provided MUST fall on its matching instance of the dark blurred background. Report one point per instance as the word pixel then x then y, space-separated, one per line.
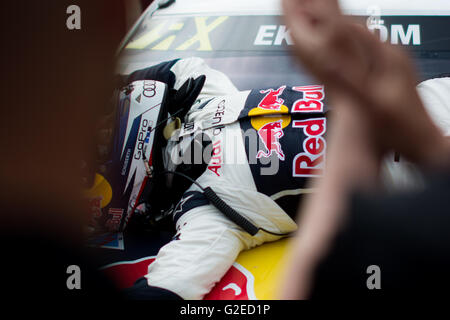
pixel 56 83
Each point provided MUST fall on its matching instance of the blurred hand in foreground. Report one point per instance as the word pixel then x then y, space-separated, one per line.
pixel 376 109
pixel 349 59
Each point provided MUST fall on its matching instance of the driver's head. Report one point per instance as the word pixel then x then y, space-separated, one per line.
pixel 128 144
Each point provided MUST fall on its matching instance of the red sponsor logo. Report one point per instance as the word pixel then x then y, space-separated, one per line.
pixel 270 134
pixel 311 162
pixel 312 100
pixel 216 159
pixel 113 223
pixel 271 101
pixel 95 209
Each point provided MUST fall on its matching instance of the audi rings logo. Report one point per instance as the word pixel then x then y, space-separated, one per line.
pixel 149 88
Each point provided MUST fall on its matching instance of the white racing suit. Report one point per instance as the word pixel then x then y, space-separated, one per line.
pixel 265 145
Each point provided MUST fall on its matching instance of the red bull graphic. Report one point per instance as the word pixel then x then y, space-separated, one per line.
pixel 125 273
pixel 236 284
pixel 272 100
pixel 270 135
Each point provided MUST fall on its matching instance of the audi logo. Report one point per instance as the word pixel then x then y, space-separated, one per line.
pixel 149 88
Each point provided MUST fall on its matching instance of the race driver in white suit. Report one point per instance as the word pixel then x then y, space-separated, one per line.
pixel 257 150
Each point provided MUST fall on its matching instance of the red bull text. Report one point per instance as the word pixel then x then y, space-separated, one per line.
pixel 311 162
pixel 312 100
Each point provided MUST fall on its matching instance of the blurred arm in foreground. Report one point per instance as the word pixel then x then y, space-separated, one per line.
pixel 377 110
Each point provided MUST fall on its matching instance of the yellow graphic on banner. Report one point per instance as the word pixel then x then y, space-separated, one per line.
pixel 147 38
pixel 165 44
pixel 202 35
pixel 266 263
pixel 165 35
pixel 176 26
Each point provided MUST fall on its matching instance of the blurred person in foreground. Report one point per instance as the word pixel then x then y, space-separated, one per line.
pixel 351 223
pixel 55 82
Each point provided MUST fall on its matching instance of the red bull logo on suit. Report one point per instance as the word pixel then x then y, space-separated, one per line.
pixel 272 117
pixel 270 135
pixel 272 100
